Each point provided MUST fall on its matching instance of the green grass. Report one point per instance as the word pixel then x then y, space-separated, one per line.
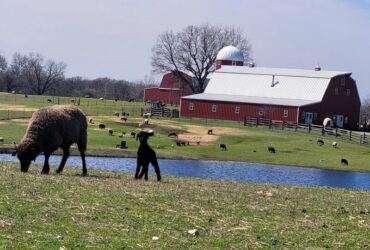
pixel 109 210
pixel 244 144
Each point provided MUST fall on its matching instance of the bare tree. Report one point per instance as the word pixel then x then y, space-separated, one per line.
pixel 365 110
pixel 3 63
pixel 39 76
pixel 194 51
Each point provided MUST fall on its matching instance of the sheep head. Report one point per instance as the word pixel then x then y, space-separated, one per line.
pixel 26 152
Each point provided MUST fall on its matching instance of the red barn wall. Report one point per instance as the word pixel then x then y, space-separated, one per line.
pixel 226 111
pixel 337 102
pixel 165 96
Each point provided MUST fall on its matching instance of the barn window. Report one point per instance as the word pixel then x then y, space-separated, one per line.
pixel 343 81
pixel 336 91
pixel 303 115
pixel 348 92
pixel 233 63
pixel 191 106
pixel 285 113
pixel 237 110
pixel 261 113
pixel 214 108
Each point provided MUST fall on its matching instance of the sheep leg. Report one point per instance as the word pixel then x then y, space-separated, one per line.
pixel 138 165
pixel 156 168
pixel 46 168
pixel 64 160
pixel 144 171
pixel 82 149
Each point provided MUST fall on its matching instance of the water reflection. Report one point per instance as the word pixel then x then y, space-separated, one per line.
pixel 237 171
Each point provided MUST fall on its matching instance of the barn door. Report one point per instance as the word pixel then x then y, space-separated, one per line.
pixel 308 119
pixel 339 121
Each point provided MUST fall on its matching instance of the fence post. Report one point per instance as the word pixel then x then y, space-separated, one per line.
pixel 350 135
pixel 309 128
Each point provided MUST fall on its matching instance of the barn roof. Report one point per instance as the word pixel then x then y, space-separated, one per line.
pixel 292 87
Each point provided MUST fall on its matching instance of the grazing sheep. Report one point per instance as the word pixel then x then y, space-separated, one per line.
pixel 13 92
pixel 146 155
pixel 172 134
pixel 146 121
pixel 271 150
pixel 344 161
pixel 124 119
pixel 133 134
pixel 320 142
pixel 1 139
pixel 141 124
pixel 210 131
pixel 335 144
pixel 223 147
pixel 110 131
pixel 51 128
pixel 49 100
pixel 101 99
pixel 102 126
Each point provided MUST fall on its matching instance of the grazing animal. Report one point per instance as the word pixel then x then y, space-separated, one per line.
pixel 223 147
pixel 101 99
pixel 271 150
pixel 49 100
pixel 146 155
pixel 110 131
pixel 133 134
pixel 50 128
pixel 335 144
pixel 102 126
pixel 210 131
pixel 172 134
pixel 320 142
pixel 344 161
pixel 124 119
pixel 198 142
pixel 131 100
pixel 26 96
pixel 91 121
pixel 146 121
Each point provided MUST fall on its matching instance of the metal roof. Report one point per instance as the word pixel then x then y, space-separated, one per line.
pixel 286 86
pixel 250 99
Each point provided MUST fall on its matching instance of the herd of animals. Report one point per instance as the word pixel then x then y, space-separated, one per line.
pixel 60 126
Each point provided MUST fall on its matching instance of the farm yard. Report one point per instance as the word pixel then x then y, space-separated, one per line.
pixel 112 210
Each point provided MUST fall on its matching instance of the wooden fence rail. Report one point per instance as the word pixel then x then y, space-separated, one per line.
pixel 316 130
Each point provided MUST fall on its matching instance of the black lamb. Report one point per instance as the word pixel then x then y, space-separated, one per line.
pixel 146 155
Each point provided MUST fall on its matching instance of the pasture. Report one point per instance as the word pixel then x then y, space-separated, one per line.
pixel 243 143
pixel 109 210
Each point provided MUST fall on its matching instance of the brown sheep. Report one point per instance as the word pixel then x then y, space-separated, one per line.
pixel 50 128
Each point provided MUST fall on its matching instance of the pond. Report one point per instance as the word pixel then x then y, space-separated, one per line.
pixel 237 171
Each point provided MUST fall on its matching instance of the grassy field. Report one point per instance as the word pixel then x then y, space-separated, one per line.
pixel 109 210
pixel 244 143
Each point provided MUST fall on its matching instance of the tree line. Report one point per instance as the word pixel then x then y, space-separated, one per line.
pixel 32 74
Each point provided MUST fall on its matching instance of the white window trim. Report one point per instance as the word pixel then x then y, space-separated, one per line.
pixel 286 113
pixel 237 110
pixel 214 108
pixel 191 106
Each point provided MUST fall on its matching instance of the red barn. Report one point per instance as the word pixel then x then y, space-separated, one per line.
pixel 291 95
pixel 169 91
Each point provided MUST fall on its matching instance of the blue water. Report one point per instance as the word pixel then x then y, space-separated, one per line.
pixel 237 171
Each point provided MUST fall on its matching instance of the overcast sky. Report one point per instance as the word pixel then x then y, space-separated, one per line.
pixel 114 38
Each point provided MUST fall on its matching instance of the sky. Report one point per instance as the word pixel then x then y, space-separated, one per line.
pixel 114 38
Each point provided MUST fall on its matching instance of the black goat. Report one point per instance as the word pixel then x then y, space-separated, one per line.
pixel 344 161
pixel 271 150
pixel 146 155
pixel 223 146
pixel 110 131
pixel 320 142
pixel 210 131
pixel 172 134
pixel 133 134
